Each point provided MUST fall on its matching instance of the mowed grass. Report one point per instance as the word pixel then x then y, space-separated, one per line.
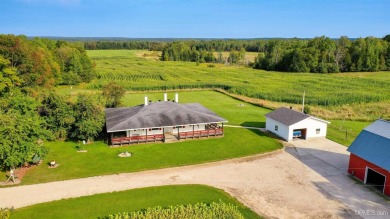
pixel 345 132
pixel 102 160
pixel 138 73
pixel 235 111
pixel 98 206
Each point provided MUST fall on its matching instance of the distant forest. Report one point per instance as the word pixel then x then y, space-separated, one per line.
pixel 317 55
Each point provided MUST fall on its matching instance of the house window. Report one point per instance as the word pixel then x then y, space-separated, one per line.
pixel 318 131
pixel 154 129
pixel 276 128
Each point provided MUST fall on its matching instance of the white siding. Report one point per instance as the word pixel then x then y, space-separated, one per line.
pixel 311 125
pixel 282 131
pixel 286 132
pixel 186 128
pixel 189 128
pixel 143 132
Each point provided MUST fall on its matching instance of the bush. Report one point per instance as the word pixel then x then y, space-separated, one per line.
pixel 199 210
pixel 5 213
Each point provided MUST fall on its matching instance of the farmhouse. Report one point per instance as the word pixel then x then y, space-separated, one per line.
pixel 370 156
pixel 289 124
pixel 160 121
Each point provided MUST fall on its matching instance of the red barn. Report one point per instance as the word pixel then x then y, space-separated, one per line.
pixel 370 156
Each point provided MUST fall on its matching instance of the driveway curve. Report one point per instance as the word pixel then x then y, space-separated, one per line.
pixel 281 184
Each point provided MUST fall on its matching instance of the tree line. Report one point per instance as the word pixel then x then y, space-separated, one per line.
pixel 44 62
pixel 131 45
pixel 250 45
pixel 324 55
pixel 31 111
pixel 317 55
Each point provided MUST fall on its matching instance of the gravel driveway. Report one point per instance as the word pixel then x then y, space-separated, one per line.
pixel 306 180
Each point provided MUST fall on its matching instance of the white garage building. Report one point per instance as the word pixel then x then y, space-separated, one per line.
pixel 289 124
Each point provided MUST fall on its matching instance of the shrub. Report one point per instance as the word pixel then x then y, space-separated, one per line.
pixel 5 213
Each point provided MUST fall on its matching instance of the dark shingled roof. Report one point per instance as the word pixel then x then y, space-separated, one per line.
pixel 287 116
pixel 373 144
pixel 158 114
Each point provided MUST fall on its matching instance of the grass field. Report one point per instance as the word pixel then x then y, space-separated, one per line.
pixel 235 143
pixel 235 111
pixel 98 206
pixel 340 93
pixel 344 132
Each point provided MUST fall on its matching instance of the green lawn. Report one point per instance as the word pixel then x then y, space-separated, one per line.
pixel 97 206
pixel 235 111
pixel 345 132
pixel 101 159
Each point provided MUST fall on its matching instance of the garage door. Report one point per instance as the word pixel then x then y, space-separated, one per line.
pixel 375 179
pixel 299 133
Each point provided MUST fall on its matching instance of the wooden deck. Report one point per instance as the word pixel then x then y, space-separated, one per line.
pixel 161 137
pixel 199 134
pixel 137 139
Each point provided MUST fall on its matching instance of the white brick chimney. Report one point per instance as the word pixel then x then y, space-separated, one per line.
pixel 176 97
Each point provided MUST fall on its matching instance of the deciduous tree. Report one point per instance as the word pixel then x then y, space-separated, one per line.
pixel 113 94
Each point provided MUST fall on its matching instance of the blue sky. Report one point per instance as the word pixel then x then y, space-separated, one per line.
pixel 196 18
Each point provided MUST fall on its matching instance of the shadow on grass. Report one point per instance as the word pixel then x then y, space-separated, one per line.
pixel 253 124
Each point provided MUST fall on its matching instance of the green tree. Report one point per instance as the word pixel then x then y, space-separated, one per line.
pixel 8 76
pixel 20 130
pixel 387 38
pixel 113 94
pixel 58 114
pixel 19 135
pixel 89 117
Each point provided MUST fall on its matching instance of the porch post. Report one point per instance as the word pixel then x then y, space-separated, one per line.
pixel 112 136
pixel 164 134
pixel 178 131
pixel 193 131
pixel 146 135
pixel 222 129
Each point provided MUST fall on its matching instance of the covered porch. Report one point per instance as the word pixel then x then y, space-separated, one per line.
pixel 182 132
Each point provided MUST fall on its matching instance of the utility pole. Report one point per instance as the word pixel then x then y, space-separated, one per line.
pixel 303 102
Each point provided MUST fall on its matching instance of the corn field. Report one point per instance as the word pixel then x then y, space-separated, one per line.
pixel 135 73
pixel 214 210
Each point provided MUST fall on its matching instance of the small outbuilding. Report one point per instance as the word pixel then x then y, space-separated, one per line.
pixel 290 124
pixel 370 156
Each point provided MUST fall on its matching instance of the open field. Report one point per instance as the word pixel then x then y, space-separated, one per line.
pixel 338 95
pixel 249 56
pixel 96 206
